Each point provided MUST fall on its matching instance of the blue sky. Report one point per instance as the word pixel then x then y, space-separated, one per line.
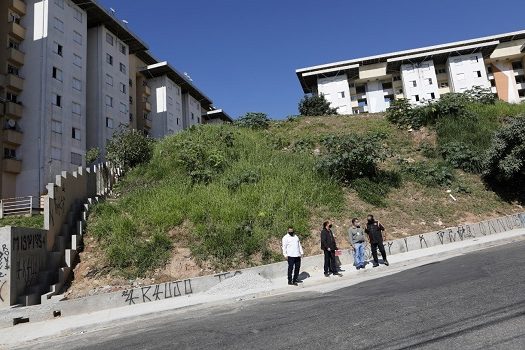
pixel 243 53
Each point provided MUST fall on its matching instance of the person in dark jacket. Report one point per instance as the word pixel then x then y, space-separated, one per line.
pixel 329 247
pixel 375 232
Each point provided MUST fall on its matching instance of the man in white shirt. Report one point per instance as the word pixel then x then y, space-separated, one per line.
pixel 292 251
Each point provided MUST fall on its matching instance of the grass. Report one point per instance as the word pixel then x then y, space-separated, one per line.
pixel 35 221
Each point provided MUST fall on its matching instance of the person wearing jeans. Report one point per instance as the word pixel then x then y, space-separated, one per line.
pixel 292 251
pixel 356 236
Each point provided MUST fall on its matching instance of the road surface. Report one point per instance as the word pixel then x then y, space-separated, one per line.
pixel 474 301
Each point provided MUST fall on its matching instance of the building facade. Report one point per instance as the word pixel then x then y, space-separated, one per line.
pixel 71 75
pixel 369 84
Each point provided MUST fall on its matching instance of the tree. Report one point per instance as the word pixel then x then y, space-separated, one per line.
pixel 129 148
pixel 315 105
pixel 92 155
pixel 254 121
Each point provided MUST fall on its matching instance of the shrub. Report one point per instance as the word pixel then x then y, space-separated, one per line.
pixel 429 174
pixel 403 114
pixel 505 159
pixel 92 155
pixel 350 156
pixel 315 105
pixel 246 177
pixel 374 190
pixel 254 121
pixel 481 95
pixel 460 156
pixel 129 148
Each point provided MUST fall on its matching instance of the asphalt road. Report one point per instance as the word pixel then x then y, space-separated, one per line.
pixel 475 301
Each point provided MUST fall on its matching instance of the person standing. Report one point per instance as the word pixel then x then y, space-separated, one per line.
pixel 329 247
pixel 356 236
pixel 375 232
pixel 292 251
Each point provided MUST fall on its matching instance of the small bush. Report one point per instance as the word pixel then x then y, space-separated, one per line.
pixel 505 159
pixel 481 95
pixel 349 157
pixel 403 114
pixel 92 155
pixel 254 121
pixel 429 174
pixel 375 190
pixel 129 148
pixel 315 105
pixel 428 150
pixel 246 177
pixel 460 156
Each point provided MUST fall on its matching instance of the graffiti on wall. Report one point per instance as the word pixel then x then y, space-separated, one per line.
pixel 157 292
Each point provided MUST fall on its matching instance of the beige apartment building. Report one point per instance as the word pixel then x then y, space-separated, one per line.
pixel 71 75
pixel 369 84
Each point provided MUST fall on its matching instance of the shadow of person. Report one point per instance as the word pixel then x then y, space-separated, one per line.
pixel 302 276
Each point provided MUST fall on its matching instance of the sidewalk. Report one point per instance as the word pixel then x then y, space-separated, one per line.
pixel 247 286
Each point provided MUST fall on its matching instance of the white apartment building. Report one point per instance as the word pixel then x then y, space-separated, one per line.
pixel 72 74
pixel 368 84
pixel 54 93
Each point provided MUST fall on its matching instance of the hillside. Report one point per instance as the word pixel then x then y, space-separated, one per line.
pixel 221 197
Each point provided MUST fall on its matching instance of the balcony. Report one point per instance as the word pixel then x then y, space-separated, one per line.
pixel 12 137
pixel 13 110
pixel 17 31
pixel 147 90
pixel 147 123
pixel 13 166
pixel 147 106
pixel 14 82
pixel 15 56
pixel 18 6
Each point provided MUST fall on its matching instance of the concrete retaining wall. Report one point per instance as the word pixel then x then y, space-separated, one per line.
pixel 152 293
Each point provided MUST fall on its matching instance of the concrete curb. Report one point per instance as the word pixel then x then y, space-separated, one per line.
pixel 317 283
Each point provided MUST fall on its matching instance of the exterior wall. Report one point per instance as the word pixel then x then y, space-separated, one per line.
pixel 191 111
pixel 336 91
pixel 467 71
pixel 505 81
pixel 423 76
pixel 166 100
pixel 48 145
pixel 104 85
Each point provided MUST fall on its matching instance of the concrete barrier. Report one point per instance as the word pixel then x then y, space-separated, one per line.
pixel 187 287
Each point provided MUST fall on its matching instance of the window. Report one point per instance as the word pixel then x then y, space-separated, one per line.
pixel 478 73
pixel 76 158
pixel 192 116
pixel 170 101
pixel 521 93
pixel 14 17
pixel 123 108
pixel 341 94
pixel 517 65
pixel 57 73
pixel 13 70
pixel 77 37
pixel 9 153
pixel 122 48
pixel 130 82
pixel 77 109
pixel 109 39
pixel 14 44
pixel 413 83
pixel 416 98
pixel 443 84
pixel 441 70
pixel 362 102
pixel 109 80
pixel 387 85
pixel 400 91
pixel 75 133
pixel 11 97
pixel 177 121
pixel 60 3
pixel 78 15
pixel 57 100
pixel 123 88
pixel 475 58
pixel 77 61
pixel 56 126
pixel 77 84
pixel 109 59
pixel 520 79
pixel 109 123
pixel 396 78
pixel 58 49
pixel 59 25
pixel 361 89
pixel 429 80
pixel 123 68
pixel 432 96
pixel 109 101
pixel 461 76
pixel 56 153
pixel 493 83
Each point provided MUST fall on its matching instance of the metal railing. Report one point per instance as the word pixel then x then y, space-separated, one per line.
pixel 16 206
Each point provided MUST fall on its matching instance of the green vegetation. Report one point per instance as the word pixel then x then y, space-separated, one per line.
pixel 315 105
pixel 92 155
pixel 230 184
pixel 35 221
pixel 254 121
pixel 129 148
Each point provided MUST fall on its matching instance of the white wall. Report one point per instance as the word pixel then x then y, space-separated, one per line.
pixel 166 115
pixel 37 97
pixel 105 81
pixel 375 97
pixel 424 76
pixel 336 91
pixel 464 70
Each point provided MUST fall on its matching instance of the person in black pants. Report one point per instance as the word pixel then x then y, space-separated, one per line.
pixel 329 247
pixel 292 251
pixel 375 232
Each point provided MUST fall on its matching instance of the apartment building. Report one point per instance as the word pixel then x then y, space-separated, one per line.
pixel 71 75
pixel 369 84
